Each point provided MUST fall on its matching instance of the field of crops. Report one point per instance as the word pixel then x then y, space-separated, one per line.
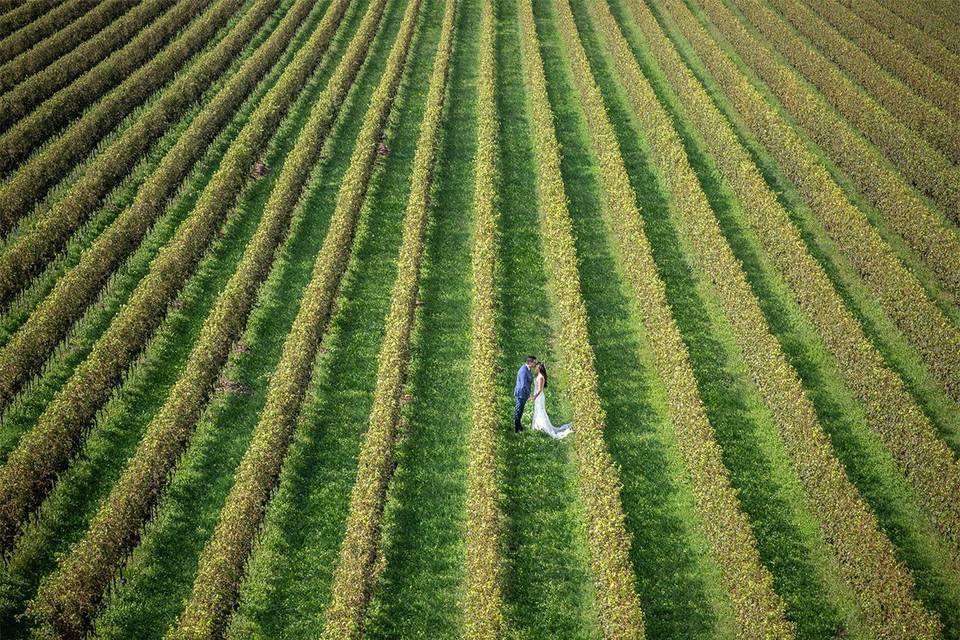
pixel 268 269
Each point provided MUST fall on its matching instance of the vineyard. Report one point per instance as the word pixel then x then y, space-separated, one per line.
pixel 268 269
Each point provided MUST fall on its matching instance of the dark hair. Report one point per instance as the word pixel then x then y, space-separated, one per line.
pixel 531 359
pixel 543 371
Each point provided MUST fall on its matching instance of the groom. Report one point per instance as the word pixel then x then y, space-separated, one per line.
pixel 521 391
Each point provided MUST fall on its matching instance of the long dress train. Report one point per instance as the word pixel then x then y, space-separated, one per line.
pixel 541 421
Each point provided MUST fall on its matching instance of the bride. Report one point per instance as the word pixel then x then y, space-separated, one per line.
pixel 541 421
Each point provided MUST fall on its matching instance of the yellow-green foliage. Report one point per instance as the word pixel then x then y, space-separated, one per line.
pixel 483 606
pixel 924 460
pixel 27 349
pixel 884 588
pixel 42 26
pixel 917 159
pixel 925 231
pixel 598 479
pixel 43 452
pixel 935 126
pixel 17 68
pixel 896 289
pixel 899 60
pixel 224 558
pixel 354 574
pixel 31 250
pixel 928 49
pixel 68 597
pixel 44 169
pixel 758 608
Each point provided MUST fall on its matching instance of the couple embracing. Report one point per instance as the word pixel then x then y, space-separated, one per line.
pixel 527 382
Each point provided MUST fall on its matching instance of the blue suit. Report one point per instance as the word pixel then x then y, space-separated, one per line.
pixel 521 391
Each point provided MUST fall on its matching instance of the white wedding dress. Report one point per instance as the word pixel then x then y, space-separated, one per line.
pixel 541 421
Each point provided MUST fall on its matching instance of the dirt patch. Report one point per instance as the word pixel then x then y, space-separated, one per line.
pixel 233 386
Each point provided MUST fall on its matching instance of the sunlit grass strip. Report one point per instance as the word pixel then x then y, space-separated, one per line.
pixel 895 58
pixel 24 354
pixel 759 610
pixel 483 606
pixel 598 479
pixel 930 50
pixel 893 286
pixel 68 598
pixel 223 561
pixel 355 570
pixel 42 26
pixel 867 561
pixel 30 251
pixel 55 160
pixel 936 127
pixel 892 413
pixel 919 161
pixel 30 469
pixel 27 128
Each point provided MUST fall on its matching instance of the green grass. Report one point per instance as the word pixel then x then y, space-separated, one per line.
pixel 419 593
pixel 787 535
pixel 547 583
pixel 288 584
pixel 186 515
pixel 677 582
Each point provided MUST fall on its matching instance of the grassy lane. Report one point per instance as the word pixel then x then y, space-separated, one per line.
pixel 787 536
pixel 293 562
pixel 868 465
pixel 65 514
pixel 186 516
pixel 24 411
pixel 546 575
pixel 679 586
pixel 419 593
pixel 483 592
